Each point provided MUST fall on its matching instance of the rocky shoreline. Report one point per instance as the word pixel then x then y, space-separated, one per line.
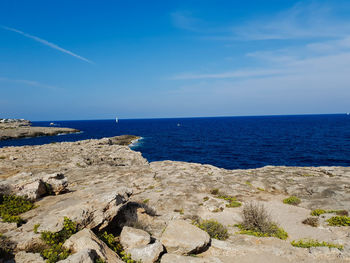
pixel 125 208
pixel 20 128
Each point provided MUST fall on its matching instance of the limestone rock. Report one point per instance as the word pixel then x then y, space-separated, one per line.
pixel 23 257
pixel 87 239
pixel 83 256
pixel 147 254
pixel 32 190
pixel 57 181
pixel 132 237
pixel 181 237
pixel 173 258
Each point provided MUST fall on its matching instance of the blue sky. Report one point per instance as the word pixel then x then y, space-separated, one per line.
pixel 63 59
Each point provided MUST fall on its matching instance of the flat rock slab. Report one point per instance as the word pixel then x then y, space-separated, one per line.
pixel 146 254
pixel 181 237
pixel 131 237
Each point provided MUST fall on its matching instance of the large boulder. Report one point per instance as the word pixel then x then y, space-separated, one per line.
pixel 57 182
pixel 83 256
pixel 33 189
pixel 23 257
pixel 181 237
pixel 87 239
pixel 146 254
pixel 132 237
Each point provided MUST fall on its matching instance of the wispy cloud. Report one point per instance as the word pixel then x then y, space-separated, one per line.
pixel 303 20
pixel 47 43
pixel 185 20
pixel 229 75
pixel 30 83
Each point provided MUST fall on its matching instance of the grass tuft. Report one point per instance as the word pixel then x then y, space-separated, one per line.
pixel 213 228
pixel 257 222
pixel 292 200
pixel 339 221
pixel 307 243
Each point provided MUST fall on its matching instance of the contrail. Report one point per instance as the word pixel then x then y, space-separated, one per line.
pixel 47 43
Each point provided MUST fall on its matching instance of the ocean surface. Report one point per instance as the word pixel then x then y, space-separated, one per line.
pixel 227 142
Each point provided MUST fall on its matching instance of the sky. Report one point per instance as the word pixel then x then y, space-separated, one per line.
pixel 71 60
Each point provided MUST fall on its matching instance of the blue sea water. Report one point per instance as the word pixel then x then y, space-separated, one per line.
pixel 227 142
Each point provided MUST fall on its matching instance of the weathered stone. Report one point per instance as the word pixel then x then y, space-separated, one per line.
pixel 32 190
pixel 173 258
pixel 147 254
pixel 23 257
pixel 86 239
pixel 83 256
pixel 57 182
pixel 181 237
pixel 132 237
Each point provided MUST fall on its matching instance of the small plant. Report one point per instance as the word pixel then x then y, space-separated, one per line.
pixel 55 240
pixel 214 191
pixel 311 221
pixel 213 228
pixel 257 222
pixel 35 228
pixel 260 189
pixel 231 199
pixel 293 200
pixel 145 201
pixel 307 243
pixel 6 248
pixel 2 157
pixel 11 206
pixel 339 221
pixel 318 212
pixel 248 183
pixel 113 244
pixel 99 260
pixel 205 198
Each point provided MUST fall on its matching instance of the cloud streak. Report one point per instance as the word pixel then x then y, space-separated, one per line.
pixel 47 43
pixel 30 83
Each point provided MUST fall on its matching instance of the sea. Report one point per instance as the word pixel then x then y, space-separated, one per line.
pixel 225 142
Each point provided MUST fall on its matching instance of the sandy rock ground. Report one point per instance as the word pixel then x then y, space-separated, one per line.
pixel 110 186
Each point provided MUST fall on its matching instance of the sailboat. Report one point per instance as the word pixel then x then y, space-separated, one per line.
pixel 116 119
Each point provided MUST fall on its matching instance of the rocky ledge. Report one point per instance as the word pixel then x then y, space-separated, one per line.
pixel 99 201
pixel 19 128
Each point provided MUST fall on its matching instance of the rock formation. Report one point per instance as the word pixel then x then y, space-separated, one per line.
pixel 106 187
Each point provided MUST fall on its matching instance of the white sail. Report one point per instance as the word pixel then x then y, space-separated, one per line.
pixel 116 119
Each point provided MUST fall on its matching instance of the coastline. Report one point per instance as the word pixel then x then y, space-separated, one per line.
pixel 18 129
pixel 100 183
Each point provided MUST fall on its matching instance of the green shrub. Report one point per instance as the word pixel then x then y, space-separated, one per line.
pixel 113 244
pixel 311 221
pixel 318 212
pixel 293 200
pixel 206 198
pixel 213 228
pixel 99 260
pixel 307 243
pixel 231 199
pixel 55 240
pixel 257 222
pixel 339 221
pixel 11 206
pixel 145 201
